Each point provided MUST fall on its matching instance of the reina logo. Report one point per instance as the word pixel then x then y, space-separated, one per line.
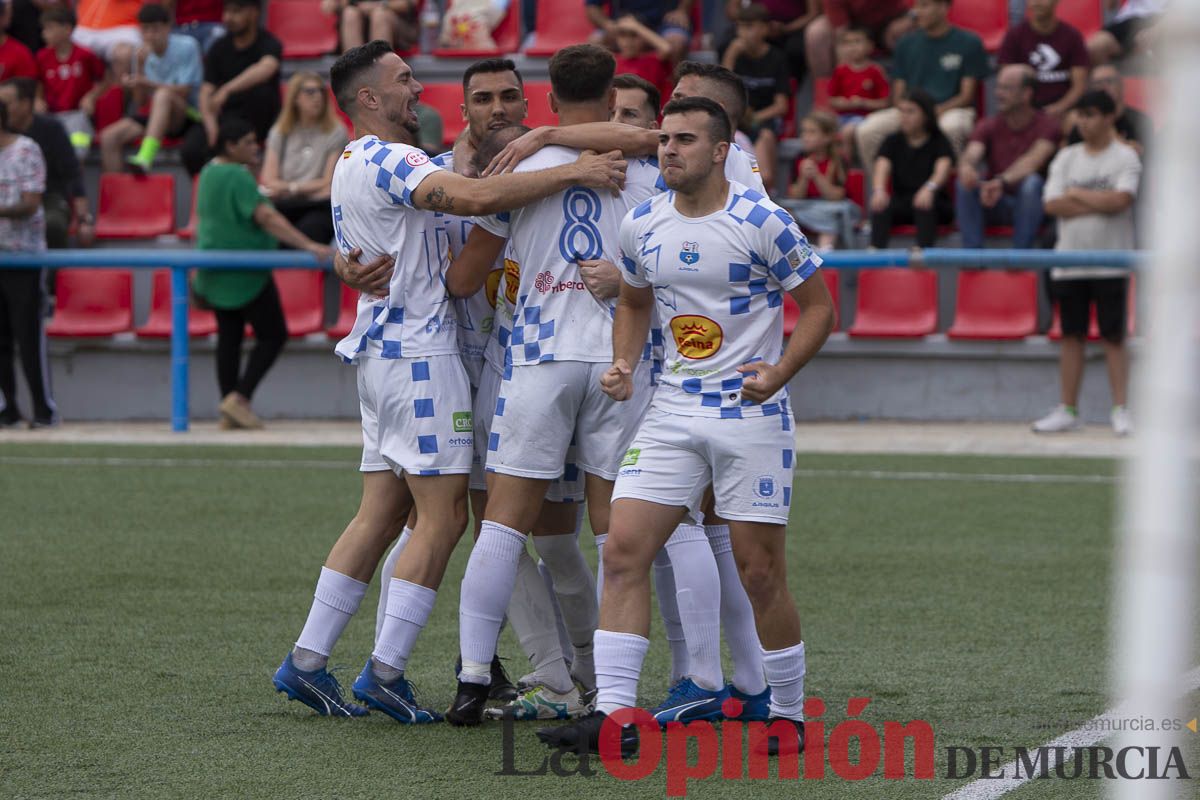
pixel 696 337
pixel 512 280
pixel 493 286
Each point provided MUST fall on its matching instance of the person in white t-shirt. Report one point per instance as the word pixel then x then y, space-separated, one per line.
pixel 413 391
pixel 715 258
pixel 1091 189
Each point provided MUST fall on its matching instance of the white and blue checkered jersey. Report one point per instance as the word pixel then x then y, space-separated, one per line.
pixel 555 316
pixel 718 284
pixel 373 184
pixel 475 314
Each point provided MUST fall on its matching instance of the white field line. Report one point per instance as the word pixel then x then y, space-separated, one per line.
pixel 1087 735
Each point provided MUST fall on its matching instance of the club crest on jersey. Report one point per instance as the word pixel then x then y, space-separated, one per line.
pixel 696 337
pixel 764 486
pixel 690 253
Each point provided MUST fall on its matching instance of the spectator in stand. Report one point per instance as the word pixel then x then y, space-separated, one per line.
pixel 789 19
pixel 26 23
pixel 671 19
pixel 468 24
pixel 15 59
pixel 109 28
pixel 302 149
pixel 1131 29
pixel 168 85
pixel 1091 189
pixel 362 21
pixel 819 193
pixel 199 19
pixel 64 193
pixel 641 51
pixel 887 20
pixel 916 162
pixel 241 74
pixel 1055 50
pixel 231 214
pixel 764 69
pixel 72 78
pixel 637 101
pixel 22 291
pixel 859 86
pixel 1017 144
pixel 945 62
pixel 1133 127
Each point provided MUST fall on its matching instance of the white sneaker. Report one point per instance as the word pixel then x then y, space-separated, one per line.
pixel 1122 422
pixel 1059 420
pixel 542 702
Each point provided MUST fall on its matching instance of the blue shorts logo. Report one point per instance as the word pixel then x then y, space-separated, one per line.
pixel 690 253
pixel 764 486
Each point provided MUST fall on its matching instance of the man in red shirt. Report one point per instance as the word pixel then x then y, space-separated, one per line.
pixel 71 77
pixel 1011 149
pixel 1056 51
pixel 15 59
pixel 887 20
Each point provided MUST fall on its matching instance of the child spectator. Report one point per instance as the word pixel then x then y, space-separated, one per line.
pixel 361 21
pixel 764 69
pixel 302 149
pixel 642 52
pixel 168 84
pixel 71 78
pixel 859 85
pixel 916 161
pixel 15 59
pixel 819 193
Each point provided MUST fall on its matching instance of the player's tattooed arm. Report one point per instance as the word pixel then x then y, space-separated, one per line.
pixel 453 194
pixel 438 199
pixel 598 136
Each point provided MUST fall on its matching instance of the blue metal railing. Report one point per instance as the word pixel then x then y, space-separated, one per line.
pixel 181 261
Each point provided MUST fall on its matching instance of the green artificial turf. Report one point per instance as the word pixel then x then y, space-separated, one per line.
pixel 145 602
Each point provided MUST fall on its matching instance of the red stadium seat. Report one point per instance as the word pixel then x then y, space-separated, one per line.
pixel 507 37
pixel 896 303
pixel 791 311
pixel 559 23
pixel 304 30
pixel 1086 15
pixel 538 95
pixel 347 311
pixel 158 324
pixel 135 206
pixel 993 304
pixel 189 231
pixel 92 302
pixel 988 18
pixel 1142 93
pixel 446 99
pixel 302 294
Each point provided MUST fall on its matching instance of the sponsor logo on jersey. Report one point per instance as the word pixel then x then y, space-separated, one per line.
pixel 690 253
pixel 512 280
pixel 492 286
pixel 631 456
pixel 416 158
pixel 543 282
pixel 696 337
pixel 462 422
pixel 764 486
pixel 460 441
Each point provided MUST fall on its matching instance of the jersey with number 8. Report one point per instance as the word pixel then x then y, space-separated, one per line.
pixel 556 318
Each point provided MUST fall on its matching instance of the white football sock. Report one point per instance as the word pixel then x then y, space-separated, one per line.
pixel 564 641
pixel 737 616
pixel 487 587
pixel 619 659
pixel 785 674
pixel 600 540
pixel 408 608
pixel 576 589
pixel 386 573
pixel 699 606
pixel 532 620
pixel 668 606
pixel 335 600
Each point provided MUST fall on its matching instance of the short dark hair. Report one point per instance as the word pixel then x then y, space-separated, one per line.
pixel 924 101
pixel 59 14
pixel 153 14
pixel 718 120
pixel 1094 99
pixel 727 82
pixel 581 73
pixel 26 87
pixel 346 74
pixel 627 80
pixel 494 142
pixel 243 4
pixel 231 128
pixel 490 65
pixel 755 12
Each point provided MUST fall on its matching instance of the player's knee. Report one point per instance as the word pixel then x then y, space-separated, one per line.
pixel 621 558
pixel 760 576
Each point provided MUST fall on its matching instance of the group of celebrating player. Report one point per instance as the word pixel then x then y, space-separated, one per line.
pixel 598 320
